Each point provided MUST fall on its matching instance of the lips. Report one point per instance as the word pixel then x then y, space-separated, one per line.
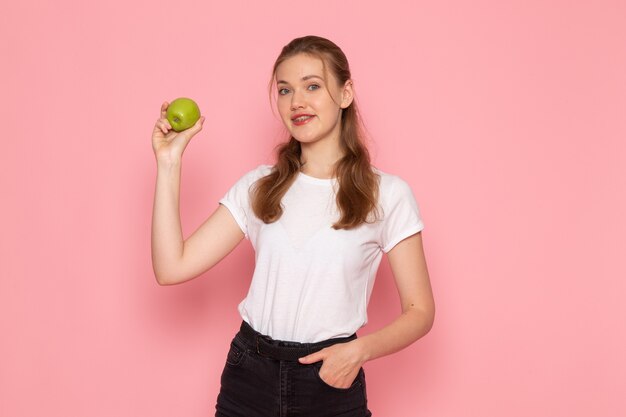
pixel 297 122
pixel 301 115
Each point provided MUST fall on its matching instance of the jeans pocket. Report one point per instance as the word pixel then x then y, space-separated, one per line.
pixel 236 353
pixel 315 368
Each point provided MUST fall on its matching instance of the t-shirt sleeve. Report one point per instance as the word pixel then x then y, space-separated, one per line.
pixel 237 199
pixel 402 216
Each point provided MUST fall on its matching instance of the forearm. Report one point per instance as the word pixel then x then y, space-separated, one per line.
pixel 410 326
pixel 167 236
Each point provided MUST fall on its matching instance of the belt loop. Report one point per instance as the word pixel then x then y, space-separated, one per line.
pixel 258 338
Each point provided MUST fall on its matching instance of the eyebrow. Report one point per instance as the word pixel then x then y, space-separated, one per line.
pixel 306 77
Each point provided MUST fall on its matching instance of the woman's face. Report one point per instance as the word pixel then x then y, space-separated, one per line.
pixel 303 89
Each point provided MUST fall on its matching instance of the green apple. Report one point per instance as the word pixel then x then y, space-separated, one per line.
pixel 182 113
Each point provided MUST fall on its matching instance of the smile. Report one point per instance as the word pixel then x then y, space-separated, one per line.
pixel 302 120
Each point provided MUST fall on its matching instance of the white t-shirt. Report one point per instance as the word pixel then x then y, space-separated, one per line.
pixel 312 282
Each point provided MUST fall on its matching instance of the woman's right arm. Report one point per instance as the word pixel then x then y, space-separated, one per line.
pixel 174 260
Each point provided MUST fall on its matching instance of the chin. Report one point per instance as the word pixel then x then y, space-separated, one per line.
pixel 304 140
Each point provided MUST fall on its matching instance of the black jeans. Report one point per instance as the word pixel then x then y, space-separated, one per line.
pixel 263 378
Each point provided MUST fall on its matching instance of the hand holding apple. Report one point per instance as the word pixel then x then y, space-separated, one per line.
pixel 169 144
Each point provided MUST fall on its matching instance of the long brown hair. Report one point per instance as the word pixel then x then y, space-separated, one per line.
pixel 357 196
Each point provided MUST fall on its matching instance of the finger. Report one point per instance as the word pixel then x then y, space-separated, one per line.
pixel 164 108
pixel 162 125
pixel 156 129
pixel 166 123
pixel 312 358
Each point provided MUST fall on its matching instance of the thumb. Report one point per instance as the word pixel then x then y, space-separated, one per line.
pixel 312 358
pixel 196 127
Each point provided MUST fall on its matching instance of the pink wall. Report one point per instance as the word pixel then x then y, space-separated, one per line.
pixel 507 118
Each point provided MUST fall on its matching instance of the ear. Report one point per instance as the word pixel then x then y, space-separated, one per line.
pixel 347 95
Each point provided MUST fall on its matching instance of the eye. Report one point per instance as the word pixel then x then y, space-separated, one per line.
pixel 280 92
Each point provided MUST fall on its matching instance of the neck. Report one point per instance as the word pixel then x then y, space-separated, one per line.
pixel 319 158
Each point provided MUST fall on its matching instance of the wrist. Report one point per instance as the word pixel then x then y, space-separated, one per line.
pixel 363 350
pixel 167 164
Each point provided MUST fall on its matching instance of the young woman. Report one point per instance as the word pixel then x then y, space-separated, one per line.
pixel 319 220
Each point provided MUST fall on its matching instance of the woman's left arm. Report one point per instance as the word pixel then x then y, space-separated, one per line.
pixel 410 272
pixel 343 360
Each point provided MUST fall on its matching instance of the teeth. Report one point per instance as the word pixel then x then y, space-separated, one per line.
pixel 299 119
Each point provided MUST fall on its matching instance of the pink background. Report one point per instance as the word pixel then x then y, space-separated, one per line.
pixel 507 119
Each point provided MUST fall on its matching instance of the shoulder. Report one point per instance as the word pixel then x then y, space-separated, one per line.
pixel 391 186
pixel 255 173
pixel 259 170
pixel 244 182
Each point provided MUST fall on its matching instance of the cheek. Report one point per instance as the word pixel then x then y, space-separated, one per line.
pixel 283 110
pixel 284 103
pixel 325 105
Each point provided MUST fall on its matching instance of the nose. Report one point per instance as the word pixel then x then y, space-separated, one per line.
pixel 297 100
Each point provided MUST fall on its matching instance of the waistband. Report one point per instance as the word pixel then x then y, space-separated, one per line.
pixel 281 349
